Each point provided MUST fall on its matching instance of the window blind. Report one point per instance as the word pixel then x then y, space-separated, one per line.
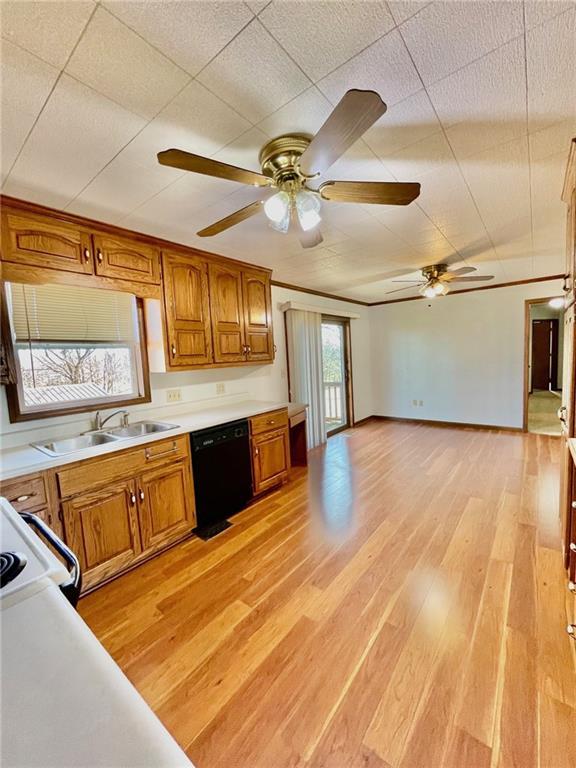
pixel 63 313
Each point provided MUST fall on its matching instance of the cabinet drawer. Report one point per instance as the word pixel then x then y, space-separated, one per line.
pixel 25 493
pixel 94 473
pixel 266 422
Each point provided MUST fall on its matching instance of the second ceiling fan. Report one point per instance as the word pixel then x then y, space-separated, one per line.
pixel 290 162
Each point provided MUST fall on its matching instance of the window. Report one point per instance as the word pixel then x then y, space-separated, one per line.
pixel 73 349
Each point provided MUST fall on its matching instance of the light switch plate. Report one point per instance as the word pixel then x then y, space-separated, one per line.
pixel 220 389
pixel 173 395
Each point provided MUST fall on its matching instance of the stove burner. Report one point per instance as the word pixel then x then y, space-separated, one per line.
pixel 11 563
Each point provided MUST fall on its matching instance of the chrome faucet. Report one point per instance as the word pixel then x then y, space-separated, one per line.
pixel 99 421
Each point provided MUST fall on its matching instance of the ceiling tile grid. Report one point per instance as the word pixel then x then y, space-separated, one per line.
pixel 481 109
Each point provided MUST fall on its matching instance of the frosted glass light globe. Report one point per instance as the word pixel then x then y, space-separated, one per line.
pixel 277 206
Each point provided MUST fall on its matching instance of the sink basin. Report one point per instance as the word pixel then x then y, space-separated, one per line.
pixel 139 429
pixel 72 444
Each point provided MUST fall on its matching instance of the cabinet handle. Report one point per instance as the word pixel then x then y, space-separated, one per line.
pixel 561 413
pixel 270 421
pixel 173 349
pixel 25 497
pixel 248 349
pixel 244 349
pixel 172 448
pixel 100 257
pixel 572 586
pixel 256 451
pixel 132 499
pixel 141 494
pixel 571 629
pixel 572 547
pixel 86 254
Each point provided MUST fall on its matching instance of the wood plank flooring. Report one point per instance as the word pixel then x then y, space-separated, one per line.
pixel 400 604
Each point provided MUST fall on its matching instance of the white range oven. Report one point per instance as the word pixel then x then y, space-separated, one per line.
pixel 65 702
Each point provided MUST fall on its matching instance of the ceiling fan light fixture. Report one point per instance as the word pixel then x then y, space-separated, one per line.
pixel 277 208
pixel 434 288
pixel 308 209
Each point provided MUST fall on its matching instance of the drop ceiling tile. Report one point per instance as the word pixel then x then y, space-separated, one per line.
pixel 324 34
pixel 445 36
pixel 26 82
pixel 404 9
pixel 195 121
pixel 550 68
pixel 499 181
pixel 78 132
pixel 118 63
pixel 189 33
pixel 304 114
pixel 484 104
pixel 49 30
pixel 539 11
pixel 256 6
pixel 253 74
pixel 244 150
pixel 384 67
pixel 358 164
pixel 403 124
pixel 552 140
pixel 424 157
pixel 118 189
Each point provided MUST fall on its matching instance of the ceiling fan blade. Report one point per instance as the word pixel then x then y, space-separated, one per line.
pixel 377 192
pixel 406 287
pixel 479 278
pixel 348 121
pixel 310 238
pixel 229 221
pixel 185 161
pixel 417 282
pixel 456 272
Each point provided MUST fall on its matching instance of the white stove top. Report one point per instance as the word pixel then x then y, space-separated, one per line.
pixel 42 566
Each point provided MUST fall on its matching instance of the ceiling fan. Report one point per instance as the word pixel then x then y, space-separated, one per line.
pixel 290 162
pixel 437 280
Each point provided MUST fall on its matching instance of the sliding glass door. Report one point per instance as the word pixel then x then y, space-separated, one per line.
pixel 336 378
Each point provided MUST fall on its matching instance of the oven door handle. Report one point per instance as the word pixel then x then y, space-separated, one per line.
pixel 72 587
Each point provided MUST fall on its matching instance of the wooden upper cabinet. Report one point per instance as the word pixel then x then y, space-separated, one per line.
pixel 187 310
pixel 227 311
pixel 39 241
pixel 126 259
pixel 166 505
pixel 102 529
pixel 257 315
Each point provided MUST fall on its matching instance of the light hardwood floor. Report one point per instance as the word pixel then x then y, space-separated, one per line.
pixel 402 604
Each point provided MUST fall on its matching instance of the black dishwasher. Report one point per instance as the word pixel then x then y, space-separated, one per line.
pixel 222 475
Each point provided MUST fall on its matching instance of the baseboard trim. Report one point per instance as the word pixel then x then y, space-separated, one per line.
pixel 435 423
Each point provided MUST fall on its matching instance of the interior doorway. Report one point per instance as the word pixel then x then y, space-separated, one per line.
pixel 336 373
pixel 543 372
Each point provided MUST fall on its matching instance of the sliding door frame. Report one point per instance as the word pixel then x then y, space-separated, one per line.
pixel 348 379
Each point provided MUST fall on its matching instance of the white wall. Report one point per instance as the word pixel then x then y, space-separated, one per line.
pixel 265 382
pixel 462 355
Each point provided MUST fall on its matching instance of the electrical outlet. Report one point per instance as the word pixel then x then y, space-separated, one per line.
pixel 420 403
pixel 220 389
pixel 173 395
pixel 414 403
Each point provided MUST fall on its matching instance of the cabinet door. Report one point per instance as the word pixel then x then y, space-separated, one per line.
pixel 257 315
pixel 41 242
pixel 187 310
pixel 126 259
pixel 270 459
pixel 102 529
pixel 227 313
pixel 166 505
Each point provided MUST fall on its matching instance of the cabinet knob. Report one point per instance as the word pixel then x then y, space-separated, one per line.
pixel 141 494
pixel 572 547
pixel 100 257
pixel 256 451
pixel 133 499
pixel 572 586
pixel 86 254
pixel 573 505
pixel 173 349
pixel 571 629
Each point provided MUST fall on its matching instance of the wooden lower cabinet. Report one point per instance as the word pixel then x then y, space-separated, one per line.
pixel 102 529
pixel 165 505
pixel 270 459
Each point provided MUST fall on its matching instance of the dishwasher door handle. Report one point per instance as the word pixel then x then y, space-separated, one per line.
pixel 73 586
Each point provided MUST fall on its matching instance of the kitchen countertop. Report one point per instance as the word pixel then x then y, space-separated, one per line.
pixel 26 459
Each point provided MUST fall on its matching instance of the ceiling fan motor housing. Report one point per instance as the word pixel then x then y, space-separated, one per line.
pixel 279 159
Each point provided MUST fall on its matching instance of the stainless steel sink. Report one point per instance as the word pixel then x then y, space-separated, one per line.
pixel 72 444
pixel 140 429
